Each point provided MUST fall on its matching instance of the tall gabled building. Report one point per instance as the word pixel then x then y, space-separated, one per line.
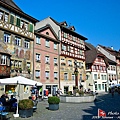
pixel 114 65
pixel 46 58
pixel 96 69
pixel 71 48
pixel 17 33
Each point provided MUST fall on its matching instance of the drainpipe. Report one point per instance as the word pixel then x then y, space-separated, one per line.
pixel 59 55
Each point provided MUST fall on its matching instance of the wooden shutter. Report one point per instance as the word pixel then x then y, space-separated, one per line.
pixel 18 22
pixel 30 28
pixel 12 19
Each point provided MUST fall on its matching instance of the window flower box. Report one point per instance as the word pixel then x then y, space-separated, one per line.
pixel 55 64
pixel 38 61
pixel 47 78
pixel 63 64
pixel 37 77
pixel 55 78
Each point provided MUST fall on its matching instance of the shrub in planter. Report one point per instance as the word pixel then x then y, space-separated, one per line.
pixel 53 103
pixel 25 108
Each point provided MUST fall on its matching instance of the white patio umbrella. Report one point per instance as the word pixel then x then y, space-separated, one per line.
pixel 19 80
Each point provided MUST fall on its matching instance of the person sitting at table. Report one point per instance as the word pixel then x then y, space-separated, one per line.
pixel 3 100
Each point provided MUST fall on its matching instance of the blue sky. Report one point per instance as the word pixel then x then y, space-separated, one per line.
pixel 98 20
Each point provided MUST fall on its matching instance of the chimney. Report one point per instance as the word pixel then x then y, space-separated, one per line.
pixel 112 47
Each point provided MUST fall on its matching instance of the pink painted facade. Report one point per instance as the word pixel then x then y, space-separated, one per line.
pixel 46 67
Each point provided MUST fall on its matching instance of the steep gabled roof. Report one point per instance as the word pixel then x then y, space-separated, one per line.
pixel 67 29
pixel 112 51
pixel 45 27
pixel 90 53
pixel 10 5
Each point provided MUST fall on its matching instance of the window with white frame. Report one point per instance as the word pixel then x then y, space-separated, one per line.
pixel 1 15
pixel 73 76
pixel 27 44
pixel 95 76
pixel 16 63
pixel 47 74
pixel 55 61
pixel 80 77
pixel 18 41
pixel 28 65
pixel 47 44
pixel 102 76
pixel 65 35
pixel 55 75
pixel 47 59
pixel 99 86
pixel 6 38
pixel 65 76
pixel 6 17
pixel 55 46
pixel 63 47
pixel 105 77
pixel 8 61
pixel 37 40
pixel 37 57
pixel 70 62
pixel 20 64
pixel 37 73
pixel 103 86
pixel 3 60
pixel 68 48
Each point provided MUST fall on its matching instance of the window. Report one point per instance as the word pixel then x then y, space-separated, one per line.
pixel 3 60
pixel 37 57
pixel 102 77
pixel 55 46
pixel 55 75
pixel 1 15
pixel 8 61
pixel 6 38
pixel 68 48
pixel 37 73
pixel 80 77
pixel 6 17
pixel 27 44
pixel 11 19
pixel 99 86
pixel 103 87
pixel 20 64
pixel 55 61
pixel 65 35
pixel 17 41
pixel 95 86
pixel 65 76
pixel 28 64
pixel 73 77
pixel 47 43
pixel 69 62
pixel 47 74
pixel 105 78
pixel 16 63
pixel 95 76
pixel 47 59
pixel 63 47
pixel 37 40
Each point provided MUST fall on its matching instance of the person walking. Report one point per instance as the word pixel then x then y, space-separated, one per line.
pixel 112 92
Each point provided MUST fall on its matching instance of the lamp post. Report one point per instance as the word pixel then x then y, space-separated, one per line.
pixel 76 73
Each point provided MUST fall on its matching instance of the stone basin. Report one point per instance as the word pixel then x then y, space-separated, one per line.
pixel 77 99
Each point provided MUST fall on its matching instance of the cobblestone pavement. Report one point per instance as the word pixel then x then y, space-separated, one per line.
pixel 71 111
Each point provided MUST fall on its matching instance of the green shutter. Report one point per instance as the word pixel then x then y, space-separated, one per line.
pixel 30 28
pixel 12 19
pixel 18 22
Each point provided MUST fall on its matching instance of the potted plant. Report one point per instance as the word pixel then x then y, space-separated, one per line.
pixel 20 70
pixel 29 70
pixel 25 108
pixel 53 102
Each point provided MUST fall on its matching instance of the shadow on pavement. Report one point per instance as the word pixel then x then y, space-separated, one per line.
pixel 108 104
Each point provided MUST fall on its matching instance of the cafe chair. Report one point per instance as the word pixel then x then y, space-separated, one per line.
pixel 3 114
